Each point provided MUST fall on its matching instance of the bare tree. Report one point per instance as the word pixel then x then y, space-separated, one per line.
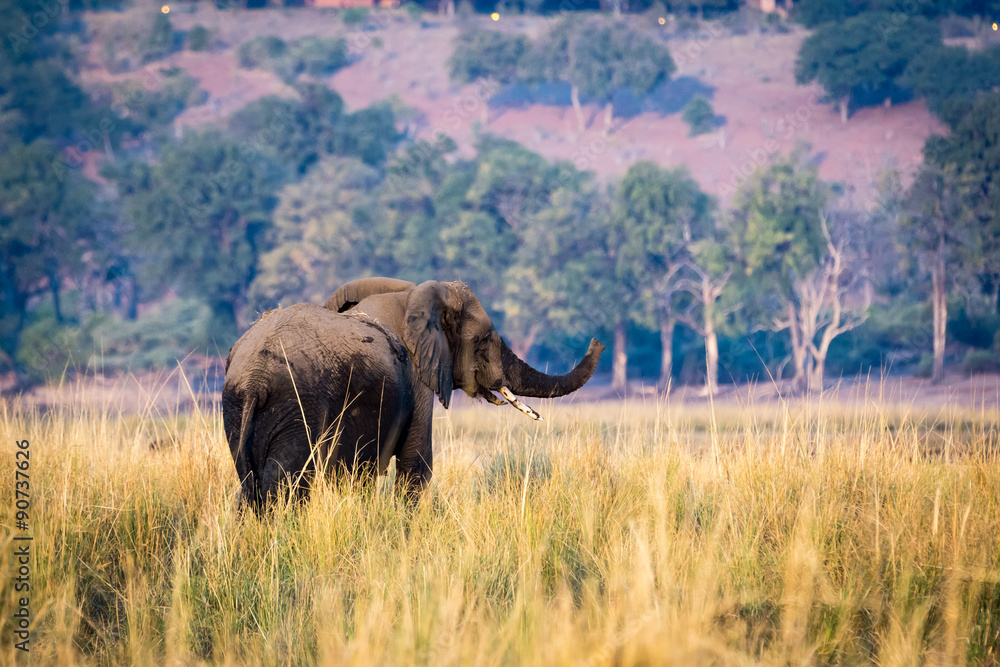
pixel 818 310
pixel 706 289
pixel 935 229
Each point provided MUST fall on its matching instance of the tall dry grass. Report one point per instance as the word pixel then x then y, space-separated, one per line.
pixel 618 534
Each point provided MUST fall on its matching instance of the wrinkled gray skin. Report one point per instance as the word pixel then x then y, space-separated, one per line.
pixel 366 368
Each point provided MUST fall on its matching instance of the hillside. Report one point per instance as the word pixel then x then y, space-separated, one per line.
pixel 748 77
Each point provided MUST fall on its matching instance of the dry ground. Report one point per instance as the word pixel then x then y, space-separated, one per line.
pixel 172 391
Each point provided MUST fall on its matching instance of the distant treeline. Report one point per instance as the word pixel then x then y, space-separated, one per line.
pixel 186 239
pixel 810 12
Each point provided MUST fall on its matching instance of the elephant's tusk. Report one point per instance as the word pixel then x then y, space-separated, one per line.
pixel 512 399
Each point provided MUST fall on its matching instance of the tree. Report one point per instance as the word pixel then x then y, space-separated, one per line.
pixel 597 60
pixel 656 214
pixel 47 220
pixel 812 13
pixel 198 220
pixel 710 266
pixel 950 76
pixel 326 232
pixel 407 199
pixel 863 55
pixel 301 131
pixel 972 152
pixel 369 134
pixel 796 263
pixel 489 57
pixel 935 227
pixel 699 115
pixel 953 216
pixel 46 103
pixel 481 218
pixel 148 110
pixel 538 296
pixel 45 227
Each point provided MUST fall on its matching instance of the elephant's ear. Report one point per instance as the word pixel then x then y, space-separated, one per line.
pixel 352 293
pixel 425 338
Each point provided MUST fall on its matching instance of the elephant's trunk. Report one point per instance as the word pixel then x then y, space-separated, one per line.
pixel 524 380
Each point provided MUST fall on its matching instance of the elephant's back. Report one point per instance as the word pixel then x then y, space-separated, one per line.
pixel 318 345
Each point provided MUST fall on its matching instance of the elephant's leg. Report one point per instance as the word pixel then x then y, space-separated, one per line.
pixel 289 464
pixel 415 456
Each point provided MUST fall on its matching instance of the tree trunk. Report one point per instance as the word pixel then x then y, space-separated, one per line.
pixel 817 368
pixel 56 303
pixel 574 96
pixel 799 349
pixel 940 302
pixel 844 102
pixel 667 325
pixel 133 302
pixel 15 306
pixel 609 110
pixel 619 358
pixel 711 361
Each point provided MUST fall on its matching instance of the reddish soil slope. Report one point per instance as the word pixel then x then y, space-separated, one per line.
pixel 752 77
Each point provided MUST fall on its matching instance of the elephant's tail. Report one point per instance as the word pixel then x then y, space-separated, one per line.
pixel 244 452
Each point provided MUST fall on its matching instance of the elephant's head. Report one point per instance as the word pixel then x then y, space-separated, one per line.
pixel 455 345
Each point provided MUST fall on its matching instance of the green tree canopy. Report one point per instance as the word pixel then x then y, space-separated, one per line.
pixel 972 150
pixel 656 214
pixel 970 154
pixel 950 77
pixel 487 54
pixel 45 227
pixel 198 220
pixel 597 59
pixel 496 193
pixel 539 292
pixel 300 131
pixel 408 200
pixel 327 231
pixel 865 55
pixel 812 13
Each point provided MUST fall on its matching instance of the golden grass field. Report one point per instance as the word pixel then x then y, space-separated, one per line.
pixel 620 533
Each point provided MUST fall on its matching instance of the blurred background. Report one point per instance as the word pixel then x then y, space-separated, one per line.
pixel 719 190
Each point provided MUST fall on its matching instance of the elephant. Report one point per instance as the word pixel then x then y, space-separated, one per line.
pixel 349 385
